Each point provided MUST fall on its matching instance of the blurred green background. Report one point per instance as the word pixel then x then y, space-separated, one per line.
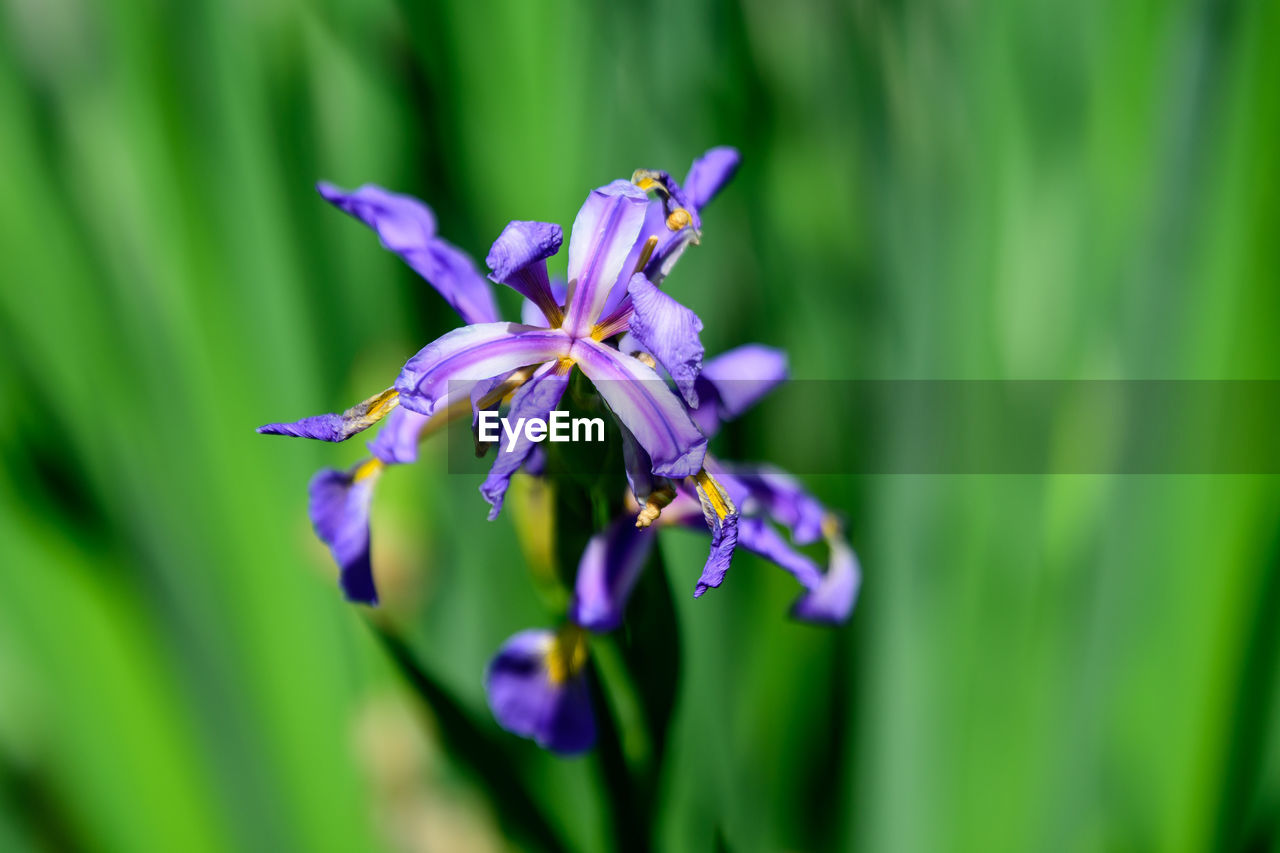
pixel 978 189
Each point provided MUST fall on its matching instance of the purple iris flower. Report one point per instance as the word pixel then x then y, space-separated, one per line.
pixel 603 235
pixel 619 235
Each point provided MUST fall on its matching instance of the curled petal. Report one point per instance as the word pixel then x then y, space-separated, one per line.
pixel 669 332
pixel 832 600
pixel 397 442
pixel 709 173
pixel 339 509
pixel 721 517
pixel 607 573
pixel 535 399
pixel 603 235
pixel 645 406
pixel 338 427
pixel 407 227
pixel 537 689
pixel 519 260
pixel 450 366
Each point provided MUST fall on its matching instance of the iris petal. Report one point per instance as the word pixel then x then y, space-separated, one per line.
pixel 721 516
pixel 519 260
pixel 832 600
pixel 535 399
pixel 669 332
pixel 604 233
pixel 397 442
pixel 610 565
pixel 339 510
pixel 528 701
pixel 407 227
pixel 780 496
pixel 741 376
pixel 709 173
pixel 331 427
pixel 448 367
pixel 646 406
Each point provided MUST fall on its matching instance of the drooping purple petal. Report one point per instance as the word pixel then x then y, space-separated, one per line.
pixel 603 235
pixel 780 496
pixel 757 536
pixel 607 573
pixel 397 442
pixel 407 227
pixel 535 399
pixel 669 332
pixel 339 509
pixel 519 260
pixel 721 517
pixel 832 600
pixel 534 697
pixel 709 173
pixel 646 406
pixel 452 364
pixel 338 427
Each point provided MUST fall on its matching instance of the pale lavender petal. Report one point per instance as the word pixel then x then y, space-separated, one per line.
pixel 526 700
pixel 709 173
pixel 338 427
pixel 397 442
pixel 339 510
pixel 603 235
pixel 655 225
pixel 669 332
pixel 610 565
pixel 448 368
pixel 407 227
pixel 743 375
pixel 535 399
pixel 519 260
pixel 832 600
pixel 646 406
pixel 780 496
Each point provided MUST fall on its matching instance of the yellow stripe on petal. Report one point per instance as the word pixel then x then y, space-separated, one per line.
pixel 368 468
pixel 714 495
pixel 567 655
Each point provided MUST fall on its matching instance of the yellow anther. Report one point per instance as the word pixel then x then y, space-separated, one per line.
pixel 653 506
pixel 830 527
pixel 647 179
pixel 368 468
pixel 567 655
pixel 679 218
pixel 645 254
pixel 645 359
